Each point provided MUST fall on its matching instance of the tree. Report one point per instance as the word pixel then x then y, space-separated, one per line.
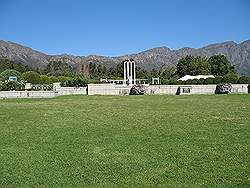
pixel 167 72
pixel 141 73
pixel 200 81
pixel 199 65
pixel 220 65
pixel 218 80
pixel 230 78
pixel 59 68
pixel 8 64
pixel 45 79
pixel 11 86
pixel 172 81
pixel 10 72
pixel 164 81
pixel 244 80
pixel 209 81
pixel 78 81
pixel 190 65
pixel 31 77
pixel 183 65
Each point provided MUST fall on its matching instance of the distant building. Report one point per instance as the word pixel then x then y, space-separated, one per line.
pixel 188 77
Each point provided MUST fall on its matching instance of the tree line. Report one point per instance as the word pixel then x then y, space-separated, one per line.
pixel 59 71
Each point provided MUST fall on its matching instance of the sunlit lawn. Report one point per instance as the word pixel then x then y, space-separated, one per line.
pixel 133 141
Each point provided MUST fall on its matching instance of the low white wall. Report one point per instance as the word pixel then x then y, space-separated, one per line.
pixel 72 90
pixel 240 88
pixel 44 94
pixel 108 89
pixel 112 89
pixel 27 94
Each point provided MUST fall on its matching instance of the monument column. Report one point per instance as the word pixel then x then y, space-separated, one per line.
pixel 131 72
pixel 127 72
pixel 134 74
pixel 124 72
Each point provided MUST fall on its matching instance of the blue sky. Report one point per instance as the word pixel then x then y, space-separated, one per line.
pixel 118 27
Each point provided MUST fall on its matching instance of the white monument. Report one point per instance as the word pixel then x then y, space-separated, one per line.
pixel 129 72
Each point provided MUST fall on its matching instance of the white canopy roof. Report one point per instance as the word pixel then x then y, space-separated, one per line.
pixel 188 77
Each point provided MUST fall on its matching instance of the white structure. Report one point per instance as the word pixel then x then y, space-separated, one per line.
pixel 188 77
pixel 129 72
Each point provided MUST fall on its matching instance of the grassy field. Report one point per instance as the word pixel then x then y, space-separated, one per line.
pixel 129 141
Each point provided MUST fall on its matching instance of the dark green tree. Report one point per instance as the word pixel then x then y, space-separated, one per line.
pixel 31 77
pixel 59 68
pixel 244 80
pixel 183 66
pixel 220 65
pixel 8 64
pixel 10 72
pixel 230 78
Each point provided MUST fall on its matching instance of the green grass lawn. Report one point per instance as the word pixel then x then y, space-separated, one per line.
pixel 128 141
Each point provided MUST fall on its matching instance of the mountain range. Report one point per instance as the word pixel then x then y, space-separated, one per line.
pixel 156 58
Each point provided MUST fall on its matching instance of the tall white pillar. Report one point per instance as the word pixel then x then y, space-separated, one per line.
pixel 127 72
pixel 131 71
pixel 134 74
pixel 124 72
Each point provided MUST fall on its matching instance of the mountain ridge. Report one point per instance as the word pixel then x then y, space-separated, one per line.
pixel 155 58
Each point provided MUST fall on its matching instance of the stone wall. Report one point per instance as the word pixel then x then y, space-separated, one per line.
pixel 44 94
pixel 112 89
pixel 27 94
pixel 108 89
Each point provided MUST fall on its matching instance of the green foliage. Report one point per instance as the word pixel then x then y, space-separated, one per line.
pixel 164 81
pixel 209 81
pixel 230 78
pixel 6 64
pixel 190 65
pixel 53 79
pixel 45 79
pixel 9 72
pixel 141 73
pixel 117 71
pixel 201 81
pixel 217 80
pixel 78 81
pixel 220 65
pixel 183 65
pixel 194 81
pixel 244 80
pixel 188 82
pixel 172 81
pixel 31 77
pixel 59 68
pixel 11 86
pixel 167 72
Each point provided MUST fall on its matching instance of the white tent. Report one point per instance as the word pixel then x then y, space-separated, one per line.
pixel 188 77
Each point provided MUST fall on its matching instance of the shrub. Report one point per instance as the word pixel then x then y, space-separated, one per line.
pixel 12 86
pixel 201 81
pixel 194 81
pixel 244 80
pixel 31 77
pixel 172 81
pixel 78 81
pixel 217 80
pixel 209 81
pixel 188 82
pixel 164 81
pixel 45 79
pixel 230 78
pixel 9 72
pixel 53 79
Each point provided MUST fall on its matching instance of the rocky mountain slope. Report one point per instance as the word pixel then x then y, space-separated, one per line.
pixel 238 55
